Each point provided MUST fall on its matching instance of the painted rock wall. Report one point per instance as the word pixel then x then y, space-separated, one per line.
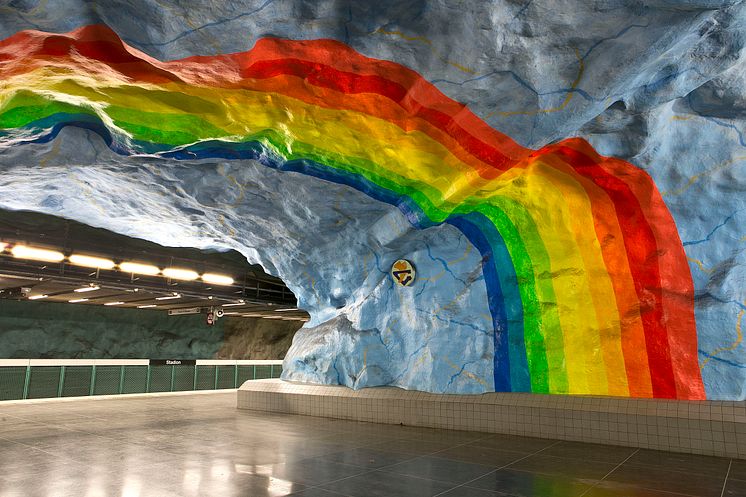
pixel 564 180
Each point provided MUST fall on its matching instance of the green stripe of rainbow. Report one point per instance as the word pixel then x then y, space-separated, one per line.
pixel 588 283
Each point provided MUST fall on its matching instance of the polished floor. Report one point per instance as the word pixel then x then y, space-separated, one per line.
pixel 201 445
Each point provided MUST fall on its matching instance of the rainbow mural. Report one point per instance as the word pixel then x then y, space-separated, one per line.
pixel 589 287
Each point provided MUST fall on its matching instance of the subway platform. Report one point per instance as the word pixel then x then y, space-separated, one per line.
pixel 199 444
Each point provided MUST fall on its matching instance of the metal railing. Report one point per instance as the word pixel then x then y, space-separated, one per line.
pixel 47 378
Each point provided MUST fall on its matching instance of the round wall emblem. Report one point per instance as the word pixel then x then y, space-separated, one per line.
pixel 403 272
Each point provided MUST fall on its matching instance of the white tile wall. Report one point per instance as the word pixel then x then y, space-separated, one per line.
pixel 702 427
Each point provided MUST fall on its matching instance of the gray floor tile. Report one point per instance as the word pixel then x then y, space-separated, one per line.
pixel 254 486
pixel 527 484
pixel 687 463
pixel 738 469
pixel 317 492
pixel 735 488
pixel 433 435
pixel 419 448
pixel 471 492
pixel 590 452
pixel 513 443
pixel 382 484
pixel 657 478
pixel 434 468
pixel 611 489
pixel 367 458
pixel 480 455
pixel 309 471
pixel 563 466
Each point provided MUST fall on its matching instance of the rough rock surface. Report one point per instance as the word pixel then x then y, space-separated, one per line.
pixel 251 338
pixel 58 331
pixel 44 330
pixel 660 85
pixel 310 346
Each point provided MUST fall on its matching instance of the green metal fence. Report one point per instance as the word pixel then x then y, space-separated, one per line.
pixel 37 382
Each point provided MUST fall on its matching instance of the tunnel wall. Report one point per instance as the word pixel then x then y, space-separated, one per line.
pixel 48 330
pixel 566 185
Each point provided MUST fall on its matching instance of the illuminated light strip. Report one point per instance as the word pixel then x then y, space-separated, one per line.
pixel 114 303
pixel 170 297
pixel 75 301
pixel 137 268
pixel 37 297
pixel 90 261
pixel 217 279
pixel 36 254
pixel 287 310
pixel 149 306
pixel 180 274
pixel 234 304
pixel 33 253
pixel 92 288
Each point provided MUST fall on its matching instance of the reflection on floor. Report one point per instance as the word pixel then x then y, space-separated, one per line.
pixel 201 445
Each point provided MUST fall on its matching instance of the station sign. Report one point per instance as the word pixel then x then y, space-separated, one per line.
pixel 173 362
pixel 180 312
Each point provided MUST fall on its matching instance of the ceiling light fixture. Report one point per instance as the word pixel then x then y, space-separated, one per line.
pixel 36 254
pixel 234 304
pixel 169 297
pixel 75 301
pixel 137 268
pixel 91 288
pixel 180 274
pixel 37 297
pixel 287 309
pixel 149 306
pixel 217 279
pixel 88 261
pixel 114 303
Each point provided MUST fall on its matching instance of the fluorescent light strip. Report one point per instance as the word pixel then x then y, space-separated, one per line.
pixel 75 301
pixel 149 306
pixel 180 274
pixel 217 279
pixel 88 261
pixel 87 289
pixel 37 297
pixel 114 303
pixel 137 268
pixel 170 297
pixel 233 305
pixel 36 254
pixel 286 310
